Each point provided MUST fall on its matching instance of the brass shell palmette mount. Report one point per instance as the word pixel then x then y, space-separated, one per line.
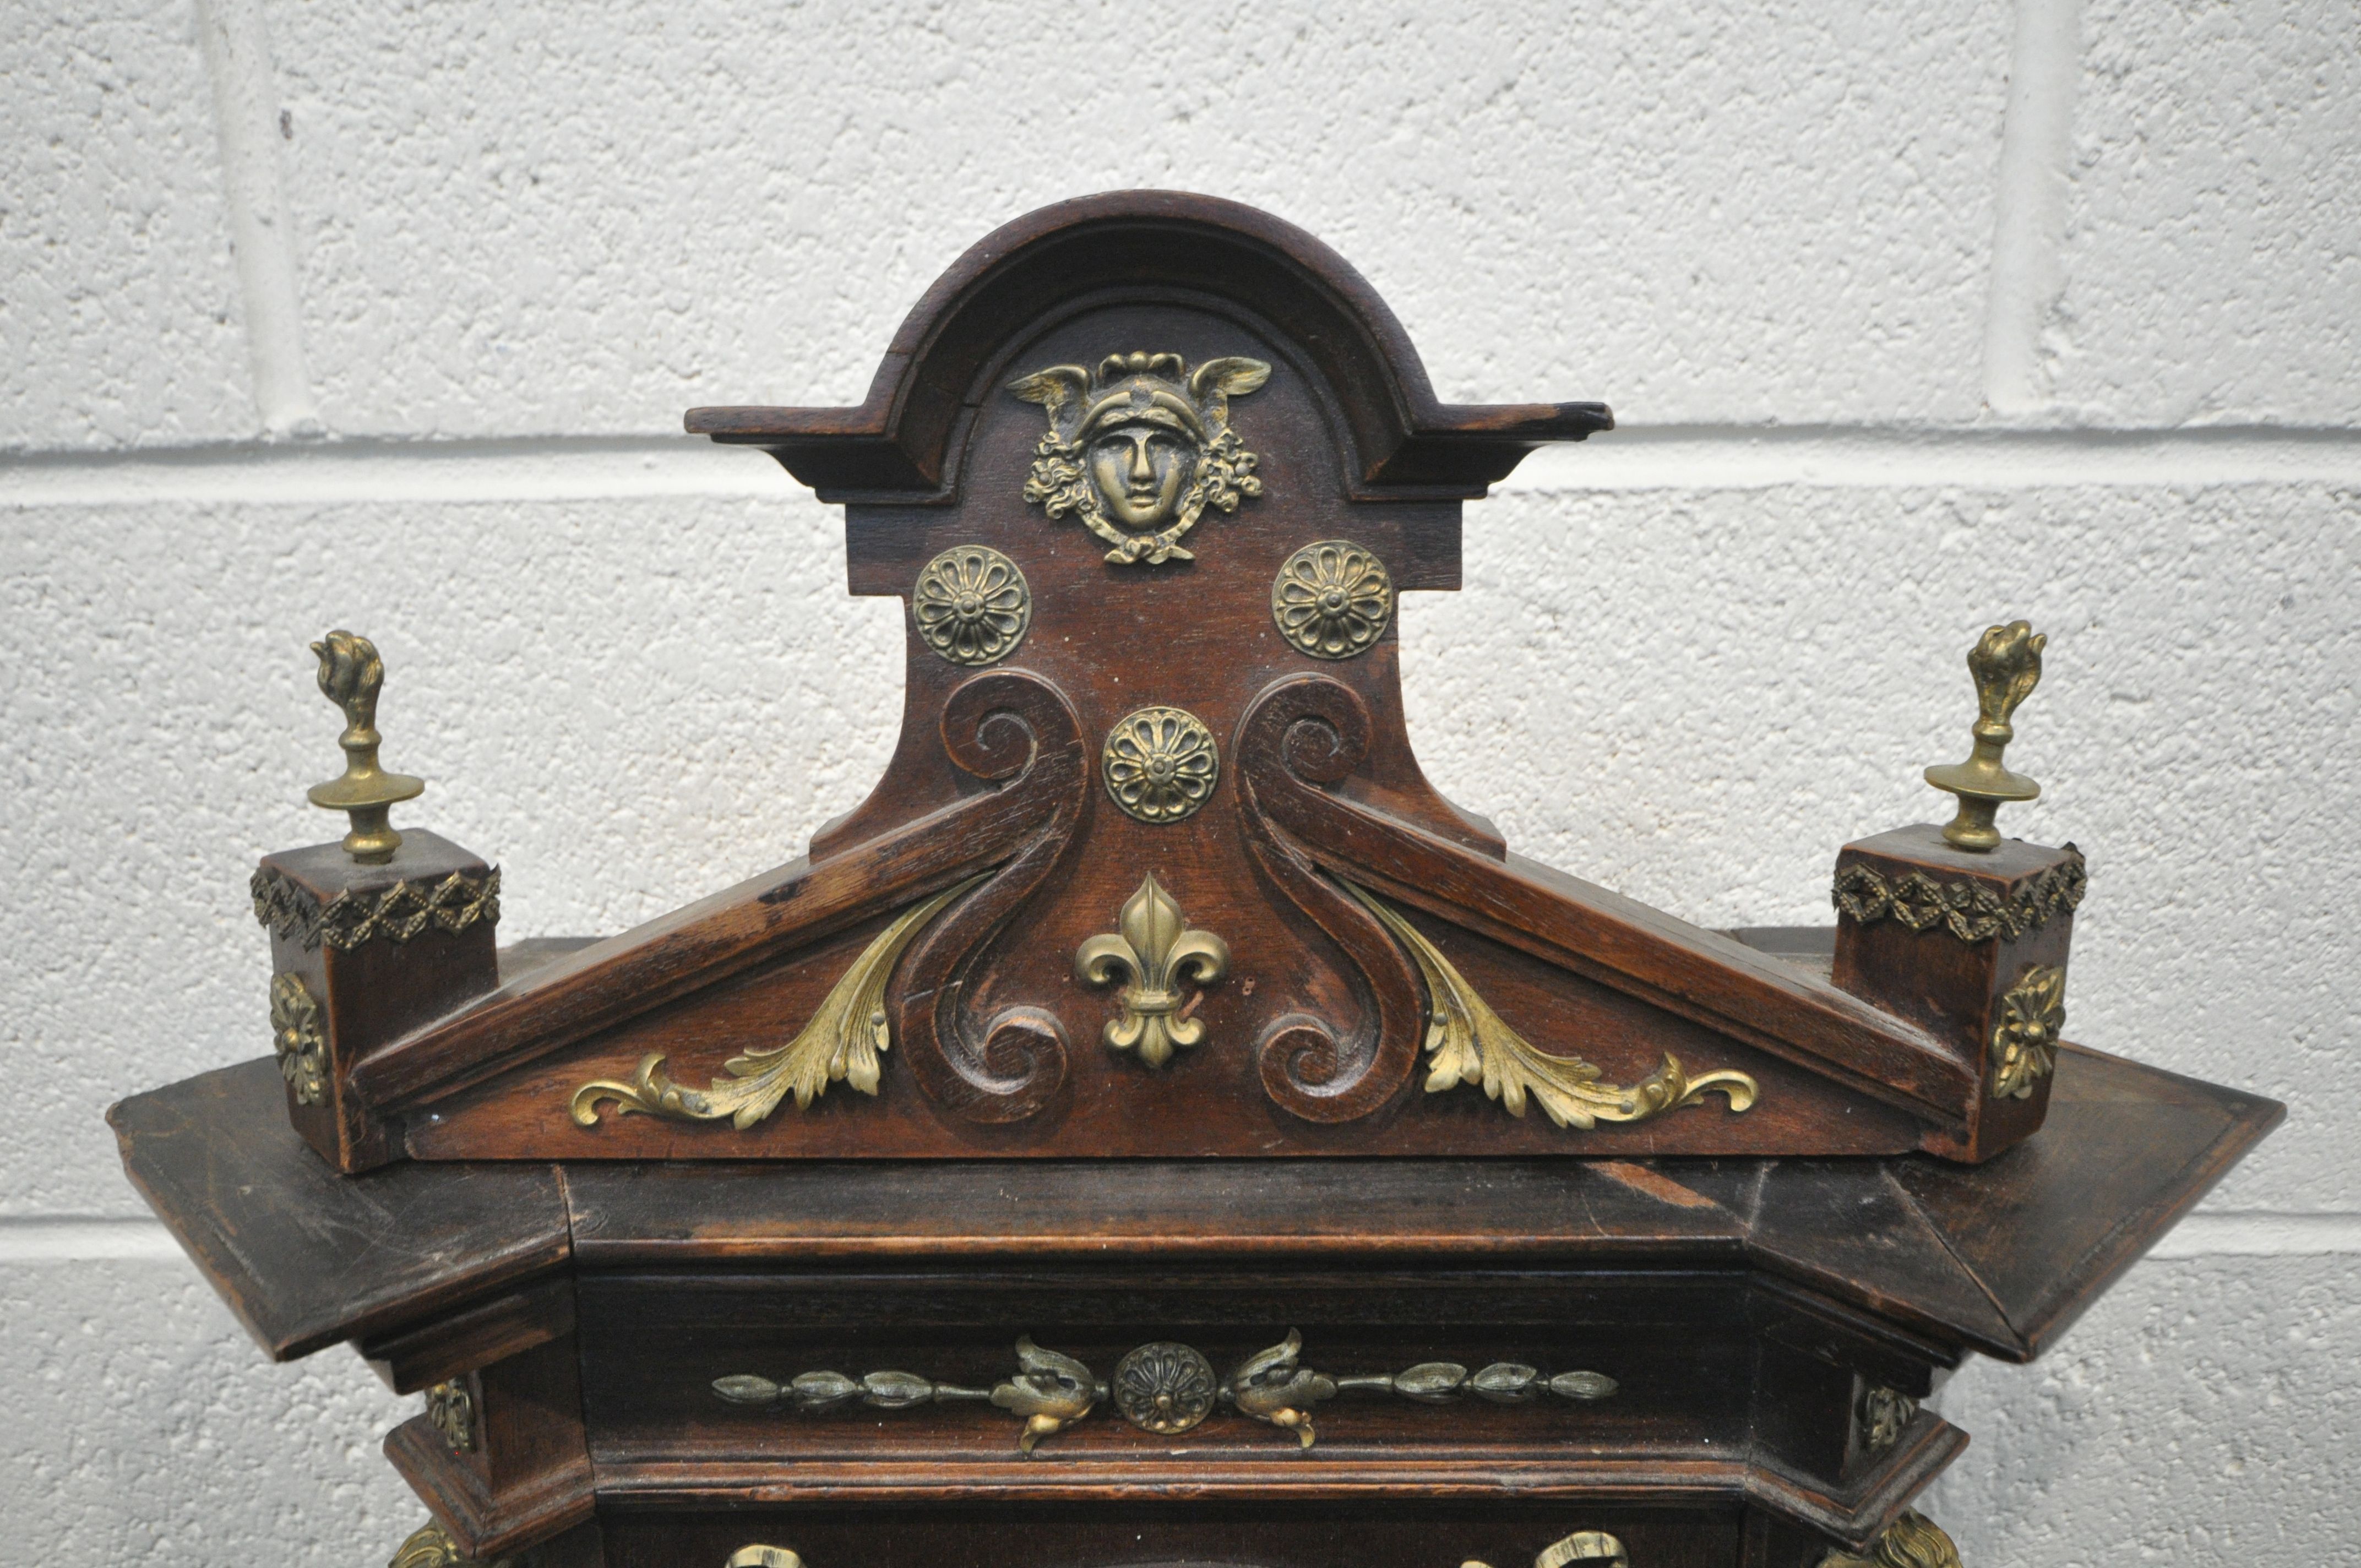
pixel 351 674
pixel 2006 664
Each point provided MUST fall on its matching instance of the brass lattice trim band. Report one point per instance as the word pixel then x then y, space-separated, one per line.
pixel 400 912
pixel 1971 911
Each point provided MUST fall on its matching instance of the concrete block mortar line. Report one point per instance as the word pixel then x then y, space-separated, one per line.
pixel 28 1239
pixel 247 118
pixel 2029 205
pixel 1639 457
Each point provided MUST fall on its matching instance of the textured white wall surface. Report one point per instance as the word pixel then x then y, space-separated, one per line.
pixel 1915 315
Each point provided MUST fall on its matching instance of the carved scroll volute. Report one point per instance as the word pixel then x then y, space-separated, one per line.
pixel 1015 726
pixel 1303 733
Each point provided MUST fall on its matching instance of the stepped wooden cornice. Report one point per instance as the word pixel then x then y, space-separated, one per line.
pixel 902 443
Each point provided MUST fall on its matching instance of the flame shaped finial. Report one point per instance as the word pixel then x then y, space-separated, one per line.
pixel 2006 664
pixel 351 674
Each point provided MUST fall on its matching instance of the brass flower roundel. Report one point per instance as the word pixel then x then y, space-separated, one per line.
pixel 972 605
pixel 1161 763
pixel 2025 1041
pixel 302 1044
pixel 1332 599
pixel 1163 1388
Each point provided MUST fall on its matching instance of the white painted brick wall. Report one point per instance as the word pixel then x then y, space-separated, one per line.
pixel 1915 315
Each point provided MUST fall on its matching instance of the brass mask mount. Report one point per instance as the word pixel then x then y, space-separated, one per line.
pixel 2006 664
pixel 350 675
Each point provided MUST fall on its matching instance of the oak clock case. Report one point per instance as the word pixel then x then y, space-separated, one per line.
pixel 1156 1125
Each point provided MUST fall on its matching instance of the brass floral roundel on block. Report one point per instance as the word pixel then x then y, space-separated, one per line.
pixel 1332 599
pixel 1163 1388
pixel 972 605
pixel 302 1042
pixel 1161 763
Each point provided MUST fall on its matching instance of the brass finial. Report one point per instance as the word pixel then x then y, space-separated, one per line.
pixel 350 675
pixel 2006 664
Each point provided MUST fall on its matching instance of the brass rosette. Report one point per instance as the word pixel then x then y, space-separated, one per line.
pixel 2025 1039
pixel 300 1041
pixel 1164 1388
pixel 1160 764
pixel 972 605
pixel 1332 599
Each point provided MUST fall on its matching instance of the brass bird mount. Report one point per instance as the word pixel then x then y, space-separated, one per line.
pixel 350 677
pixel 2006 664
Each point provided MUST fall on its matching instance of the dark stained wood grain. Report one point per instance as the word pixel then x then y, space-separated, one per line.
pixel 306 1258
pixel 420 1354
pixel 2128 1150
pixel 1293 1534
pixel 375 990
pixel 556 1001
pixel 1840 1268
pixel 1313 1039
pixel 1748 1279
pixel 1950 987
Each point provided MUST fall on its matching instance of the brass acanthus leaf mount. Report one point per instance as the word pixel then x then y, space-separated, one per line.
pixel 1164 1388
pixel 1466 1042
pixel 452 1411
pixel 301 1044
pixel 350 675
pixel 1914 1541
pixel 841 1044
pixel 431 1547
pixel 1140 447
pixel 1583 1546
pixel 1155 948
pixel 2006 664
pixel 2024 1037
pixel 1884 1412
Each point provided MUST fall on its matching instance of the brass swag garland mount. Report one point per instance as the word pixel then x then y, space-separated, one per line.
pixel 1163 1388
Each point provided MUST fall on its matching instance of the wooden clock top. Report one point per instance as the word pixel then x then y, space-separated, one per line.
pixel 1153 871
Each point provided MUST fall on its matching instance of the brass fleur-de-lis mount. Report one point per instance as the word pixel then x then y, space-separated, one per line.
pixel 2006 665
pixel 1155 948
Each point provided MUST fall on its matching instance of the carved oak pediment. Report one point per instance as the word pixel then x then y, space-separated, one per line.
pixel 1153 869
